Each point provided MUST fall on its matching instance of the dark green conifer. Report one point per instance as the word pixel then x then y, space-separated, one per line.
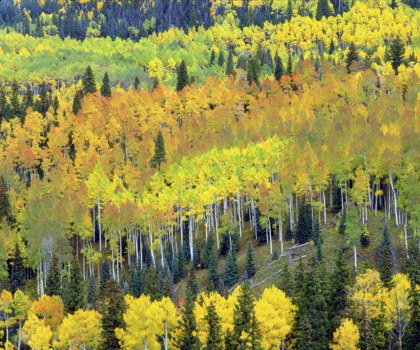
pixel 351 56
pixel 136 82
pixel 231 274
pixel 412 337
pixel 385 257
pixel 197 254
pixel 53 286
pixel 28 98
pixel 5 110
pixel 135 284
pixel 92 292
pixel 367 340
pixel 214 340
pixel 55 105
pixel 304 227
pixel 323 9
pixel 289 231
pixel 88 80
pixel 412 263
pixel 192 286
pixel 182 77
pixel 75 292
pixel 208 251
pixel 331 48
pixel 5 210
pixel 279 70
pixel 250 261
pixel 17 271
pixel 182 265
pixel 337 203
pixel 275 255
pixel 212 58
pixel 112 315
pixel 221 59
pixel 230 70
pixel 289 10
pixel 77 103
pixel 303 332
pixel 160 153
pixel 342 226
pixel 364 238
pixel 42 103
pixel 105 88
pixel 289 69
pixel 396 53
pixel 286 280
pixel 105 276
pixel 151 284
pixel 14 101
pixel 213 280
pixel 253 72
pixel 167 288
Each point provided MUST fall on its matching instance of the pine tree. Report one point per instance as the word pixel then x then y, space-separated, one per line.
pixel 14 101
pixel 17 273
pixel 160 153
pixel 167 288
pixel 75 292
pixel 323 9
pixel 88 80
pixel 385 257
pixel 279 70
pixel 105 276
pixel 255 334
pixel 214 339
pixel 221 59
pixel 136 284
pixel 55 105
pixel 182 266
pixel 182 77
pixel 192 285
pixel 208 251
pixel 342 226
pixel 337 203
pixel 28 98
pixel 331 48
pixel 92 292
pixel 42 104
pixel 364 238
pixel 316 232
pixel 351 56
pixel 319 254
pixel 77 103
pixel 151 284
pixel 289 10
pixel 250 261
pixel 229 65
pixel 213 279
pixel 275 255
pixel 5 209
pixel 412 337
pixel 231 275
pixel 367 340
pixel 396 53
pixel 187 325
pixel 112 315
pixel 136 82
pixel 412 262
pixel 286 280
pixel 253 72
pixel 212 58
pixel 105 88
pixel 53 286
pixel 289 231
pixel 304 332
pixel 304 226
pixel 197 254
pixel 289 69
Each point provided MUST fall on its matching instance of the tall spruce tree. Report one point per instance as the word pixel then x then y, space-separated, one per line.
pixel 253 72
pixel 92 292
pixel 53 286
pixel 342 225
pixel 113 311
pixel 160 153
pixel 136 82
pixel 323 10
pixel 106 88
pixel 214 340
pixel 385 257
pixel 75 292
pixel 230 70
pixel 231 274
pixel 351 57
pixel 304 227
pixel 412 337
pixel 77 103
pixel 197 254
pixel 5 209
pixel 289 69
pixel 213 280
pixel 136 284
pixel 17 273
pixel 88 81
pixel 208 251
pixel 250 261
pixel 151 284
pixel 192 285
pixel 396 53
pixel 286 280
pixel 289 10
pixel 221 59
pixel 15 102
pixel 105 276
pixel 28 98
pixel 364 238
pixel 182 77
pixel 337 203
pixel 279 70
pixel 212 58
pixel 367 339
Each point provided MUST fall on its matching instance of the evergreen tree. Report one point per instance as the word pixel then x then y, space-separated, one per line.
pixel 192 285
pixel 304 332
pixel 88 80
pixel 182 265
pixel 136 82
pixel 319 254
pixel 42 104
pixel 5 210
pixel 250 261
pixel 385 257
pixel 105 88
pixel 213 280
pixel 230 70
pixel 279 70
pixel 53 286
pixel 364 238
pixel 55 105
pixel 135 284
pixel 367 340
pixel 77 103
pixel 5 111
pixel 255 334
pixel 105 276
pixel 275 255
pixel 212 58
pixel 187 325
pixel 396 53
pixel 28 98
pixel 323 9
pixel 412 337
pixel 289 231
pixel 253 72
pixel 331 48
pixel 229 241
pixel 167 288
pixel 342 226
pixel 112 315
pixel 182 77
pixel 214 340
pixel 289 10
pixel 75 292
pixel 208 251
pixel 151 284
pixel 92 292
pixel 14 101
pixel 286 280
pixel 160 153
pixel 289 69
pixel 17 273
pixel 304 226
pixel 197 254
pixel 337 203
pixel 316 232
pixel 221 59
pixel 412 263
pixel 231 275
pixel 351 56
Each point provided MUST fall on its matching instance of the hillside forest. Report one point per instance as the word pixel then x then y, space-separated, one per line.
pixel 219 175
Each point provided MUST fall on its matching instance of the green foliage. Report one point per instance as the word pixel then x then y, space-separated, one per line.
pixel 412 337
pixel 304 227
pixel 231 274
pixel 53 286
pixel 75 292
pixel 192 285
pixel 250 261
pixel 77 103
pixel 364 238
pixel 230 70
pixel 17 271
pixel 253 72
pixel 182 76
pixel 289 10
pixel 89 85
pixel 208 252
pixel 213 280
pixel 275 255
pixel 5 210
pixel 221 59
pixel 352 56
pixel 136 284
pixel 197 254
pixel 214 340
pixel 337 200
pixel 230 241
pixel 112 315
pixel 105 88
pixel 342 226
pixel 136 82
pixel 286 280
pixel 323 9
pixel 385 257
pixel 289 69
pixel 180 266
pixel 105 276
pixel 396 53
pixel 92 292
pixel 279 70
pixel 151 284
pixel 160 153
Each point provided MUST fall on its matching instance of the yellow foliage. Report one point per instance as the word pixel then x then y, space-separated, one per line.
pixel 346 337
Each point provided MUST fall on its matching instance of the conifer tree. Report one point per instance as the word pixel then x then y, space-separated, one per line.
pixel 342 226
pixel 275 255
pixel 385 257
pixel 14 101
pixel 89 85
pixel 167 288
pixel 105 88
pixel 136 82
pixel 112 315
pixel 303 332
pixel 212 58
pixel 253 72
pixel 5 111
pixel 289 231
pixel 351 56
pixel 197 254
pixel 323 9
pixel 182 77
pixel 412 263
pixel 331 48
pixel 28 98
pixel 182 266
pixel 286 280
pixel 213 280
pixel 160 153
pixel 221 59
pixel 77 103
pixel 53 286
pixel 136 285
pixel 337 203
pixel 230 70
pixel 208 251
pixel 5 210
pixel 319 254
pixel 105 276
pixel 250 261
pixel 43 102
pixel 367 339
pixel 364 238
pixel 151 284
pixel 231 275
pixel 412 337
pixel 289 10
pixel 214 340
pixel 192 285
pixel 92 292
pixel 396 53
pixel 289 69
pixel 17 273
pixel 279 70
pixel 55 105
pixel 304 226
pixel 187 325
pixel 75 292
